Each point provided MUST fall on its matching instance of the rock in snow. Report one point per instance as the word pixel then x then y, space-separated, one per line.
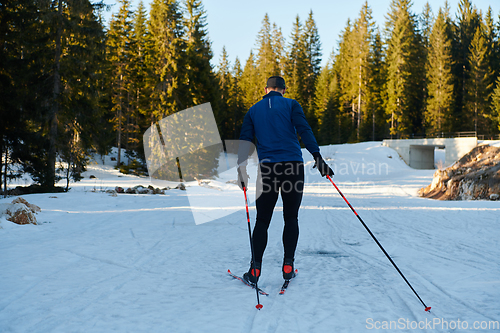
pixel 20 211
pixel 474 176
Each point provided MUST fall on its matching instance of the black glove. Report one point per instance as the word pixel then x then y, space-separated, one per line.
pixel 242 177
pixel 323 168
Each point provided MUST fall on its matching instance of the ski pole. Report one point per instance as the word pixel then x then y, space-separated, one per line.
pixel 427 308
pixel 258 306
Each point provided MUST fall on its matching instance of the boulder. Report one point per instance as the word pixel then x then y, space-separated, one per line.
pixel 139 189
pixel 181 186
pixel 20 211
pixel 474 176
pixel 112 193
pixel 158 191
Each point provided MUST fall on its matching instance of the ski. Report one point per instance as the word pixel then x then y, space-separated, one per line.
pixel 286 283
pixel 262 292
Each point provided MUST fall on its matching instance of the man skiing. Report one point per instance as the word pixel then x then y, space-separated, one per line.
pixel 275 122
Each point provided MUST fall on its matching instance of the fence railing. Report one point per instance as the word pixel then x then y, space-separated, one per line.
pixel 447 135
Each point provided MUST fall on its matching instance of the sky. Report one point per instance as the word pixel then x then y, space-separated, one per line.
pixel 235 24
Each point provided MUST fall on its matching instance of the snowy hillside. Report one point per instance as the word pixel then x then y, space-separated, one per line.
pixel 140 263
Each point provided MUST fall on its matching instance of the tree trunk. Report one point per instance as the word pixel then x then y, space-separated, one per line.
pixel 373 125
pixel 439 119
pixel 475 106
pixel 392 124
pixel 68 174
pixel 359 100
pixel 340 127
pixel 1 158
pixel 353 114
pixel 51 163
pixel 128 127
pixel 5 173
pixel 119 145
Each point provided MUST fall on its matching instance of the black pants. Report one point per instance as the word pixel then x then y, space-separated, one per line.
pixel 287 177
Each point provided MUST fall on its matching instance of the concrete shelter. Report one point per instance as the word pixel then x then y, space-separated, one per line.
pixel 419 153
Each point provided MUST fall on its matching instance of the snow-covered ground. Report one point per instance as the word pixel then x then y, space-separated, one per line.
pixel 140 263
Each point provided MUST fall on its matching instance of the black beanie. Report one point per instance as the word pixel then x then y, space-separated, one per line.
pixel 276 82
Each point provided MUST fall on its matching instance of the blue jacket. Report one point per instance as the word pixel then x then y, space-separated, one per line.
pixel 275 122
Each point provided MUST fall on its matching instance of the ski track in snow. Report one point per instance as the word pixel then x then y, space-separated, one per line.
pixel 139 263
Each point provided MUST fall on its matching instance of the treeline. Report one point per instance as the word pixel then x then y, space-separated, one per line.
pixel 71 86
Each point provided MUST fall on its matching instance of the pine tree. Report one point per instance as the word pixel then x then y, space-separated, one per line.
pixel 478 84
pixel 330 129
pixel 426 20
pixel 493 70
pixel 490 31
pixel 324 104
pixel 376 127
pixel 171 90
pixel 51 178
pixel 362 38
pixel 295 64
pixel 104 138
pixel 426 23
pixel 224 115
pixel 268 61
pixel 404 71
pixel 495 104
pixel 237 98
pixel 279 49
pixel 439 77
pixel 140 87
pixel 312 65
pixel 200 74
pixel 346 79
pixel 119 54
pixel 250 84
pixel 493 30
pixel 468 22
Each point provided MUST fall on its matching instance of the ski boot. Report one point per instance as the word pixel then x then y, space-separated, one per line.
pixel 252 276
pixel 288 271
